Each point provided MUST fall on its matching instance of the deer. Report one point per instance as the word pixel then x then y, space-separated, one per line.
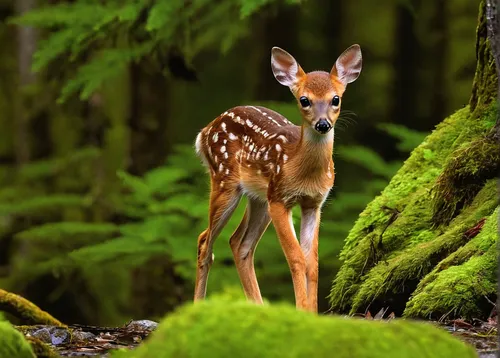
pixel 256 152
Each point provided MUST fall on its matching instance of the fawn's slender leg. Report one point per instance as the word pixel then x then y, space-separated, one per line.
pixel 243 244
pixel 282 221
pixel 223 202
pixel 309 230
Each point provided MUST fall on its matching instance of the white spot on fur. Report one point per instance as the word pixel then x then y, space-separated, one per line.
pixel 215 138
pixel 231 114
pixel 232 136
pixel 285 158
pixel 283 138
pixel 266 155
pixel 223 126
pixel 227 171
pixel 216 160
pixel 221 185
pixel 259 172
pixel 226 155
pixel 278 148
pixel 223 149
pixel 272 119
pixel 251 147
pixel 249 122
pixel 221 167
pixel 277 169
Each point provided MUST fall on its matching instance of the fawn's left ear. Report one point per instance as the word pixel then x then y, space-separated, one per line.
pixel 348 65
pixel 286 69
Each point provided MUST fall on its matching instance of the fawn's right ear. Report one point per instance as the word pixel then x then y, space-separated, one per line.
pixel 285 69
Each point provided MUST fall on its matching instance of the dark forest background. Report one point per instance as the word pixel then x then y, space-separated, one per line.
pixel 101 195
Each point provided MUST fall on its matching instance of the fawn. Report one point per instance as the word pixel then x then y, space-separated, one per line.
pixel 257 152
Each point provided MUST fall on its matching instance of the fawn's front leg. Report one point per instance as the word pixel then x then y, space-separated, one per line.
pixel 282 221
pixel 309 230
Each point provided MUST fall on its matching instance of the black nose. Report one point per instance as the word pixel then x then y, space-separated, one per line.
pixel 323 126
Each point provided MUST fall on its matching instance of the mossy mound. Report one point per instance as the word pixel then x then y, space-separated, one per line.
pixel 425 246
pixel 12 343
pixel 418 224
pixel 220 328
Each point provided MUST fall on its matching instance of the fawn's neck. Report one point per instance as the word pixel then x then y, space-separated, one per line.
pixel 313 152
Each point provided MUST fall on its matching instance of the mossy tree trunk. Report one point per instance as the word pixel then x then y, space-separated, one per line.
pixel 427 245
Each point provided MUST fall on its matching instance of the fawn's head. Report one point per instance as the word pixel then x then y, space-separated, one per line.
pixel 318 93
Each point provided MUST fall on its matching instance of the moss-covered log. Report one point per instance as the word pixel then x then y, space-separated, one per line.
pixel 26 311
pixel 426 245
pixel 220 328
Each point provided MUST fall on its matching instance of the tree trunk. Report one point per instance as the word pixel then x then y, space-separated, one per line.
pixel 27 38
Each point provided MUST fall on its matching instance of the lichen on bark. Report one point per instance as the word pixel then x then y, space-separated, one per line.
pixel 417 237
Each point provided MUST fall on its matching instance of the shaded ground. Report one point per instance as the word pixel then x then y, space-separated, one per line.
pixel 91 341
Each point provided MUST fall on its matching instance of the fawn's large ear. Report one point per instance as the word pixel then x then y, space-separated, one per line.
pixel 285 69
pixel 348 65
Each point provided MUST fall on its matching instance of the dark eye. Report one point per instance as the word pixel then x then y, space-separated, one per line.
pixel 304 102
pixel 335 101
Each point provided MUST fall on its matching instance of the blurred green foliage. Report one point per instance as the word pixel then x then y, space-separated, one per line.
pixel 113 34
pixel 100 224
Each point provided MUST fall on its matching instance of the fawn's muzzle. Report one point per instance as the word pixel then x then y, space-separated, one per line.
pixel 323 126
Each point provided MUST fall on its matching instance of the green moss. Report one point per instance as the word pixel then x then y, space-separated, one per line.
pixel 420 170
pixel 12 343
pixel 416 262
pixel 400 217
pixel 477 246
pixel 458 290
pixel 463 176
pixel 459 283
pixel 420 217
pixel 222 328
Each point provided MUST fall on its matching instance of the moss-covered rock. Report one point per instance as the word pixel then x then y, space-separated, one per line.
pixel 418 236
pixel 12 343
pixel 220 328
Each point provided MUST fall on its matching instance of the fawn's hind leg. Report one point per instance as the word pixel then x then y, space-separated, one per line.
pixel 244 242
pixel 223 202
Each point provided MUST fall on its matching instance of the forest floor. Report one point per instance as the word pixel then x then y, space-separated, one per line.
pixel 91 341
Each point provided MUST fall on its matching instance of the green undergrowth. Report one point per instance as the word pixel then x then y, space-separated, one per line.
pixel 418 220
pixel 224 328
pixel 12 343
pixel 461 283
